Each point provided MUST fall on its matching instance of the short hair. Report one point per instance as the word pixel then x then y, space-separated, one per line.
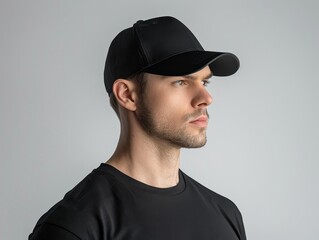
pixel 139 80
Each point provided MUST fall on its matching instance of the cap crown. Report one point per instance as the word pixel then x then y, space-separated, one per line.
pixel 147 43
pixel 163 46
pixel 164 37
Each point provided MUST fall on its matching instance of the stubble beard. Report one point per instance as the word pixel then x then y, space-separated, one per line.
pixel 166 130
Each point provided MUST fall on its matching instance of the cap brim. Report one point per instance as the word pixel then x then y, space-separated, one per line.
pixel 220 63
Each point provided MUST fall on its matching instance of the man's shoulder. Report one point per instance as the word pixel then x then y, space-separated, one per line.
pixel 83 205
pixel 221 202
pixel 99 182
pixel 92 192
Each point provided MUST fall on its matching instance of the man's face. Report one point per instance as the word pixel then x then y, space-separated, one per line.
pixel 174 109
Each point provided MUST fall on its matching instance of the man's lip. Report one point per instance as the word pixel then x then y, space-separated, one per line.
pixel 202 118
pixel 201 121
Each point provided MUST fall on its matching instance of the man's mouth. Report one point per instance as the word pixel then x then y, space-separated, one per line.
pixel 200 121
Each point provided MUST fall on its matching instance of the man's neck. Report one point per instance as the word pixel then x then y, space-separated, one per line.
pixel 148 160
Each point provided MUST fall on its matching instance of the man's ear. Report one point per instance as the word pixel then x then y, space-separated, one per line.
pixel 125 93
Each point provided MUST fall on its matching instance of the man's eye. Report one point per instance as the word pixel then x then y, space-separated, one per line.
pixel 180 83
pixel 206 82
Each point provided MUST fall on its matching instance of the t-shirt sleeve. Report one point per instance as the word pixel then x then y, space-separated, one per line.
pixel 52 232
pixel 241 227
pixel 233 215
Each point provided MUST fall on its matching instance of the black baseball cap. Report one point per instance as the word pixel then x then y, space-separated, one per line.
pixel 163 46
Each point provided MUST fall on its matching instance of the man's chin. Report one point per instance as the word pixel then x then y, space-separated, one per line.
pixel 194 143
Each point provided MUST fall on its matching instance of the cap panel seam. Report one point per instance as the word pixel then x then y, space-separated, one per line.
pixel 141 47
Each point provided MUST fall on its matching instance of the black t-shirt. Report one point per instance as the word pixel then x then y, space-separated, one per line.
pixel 109 205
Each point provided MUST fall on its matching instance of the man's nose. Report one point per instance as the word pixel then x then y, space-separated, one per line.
pixel 202 98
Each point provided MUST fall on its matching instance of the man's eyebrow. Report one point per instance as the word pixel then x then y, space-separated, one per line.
pixel 191 77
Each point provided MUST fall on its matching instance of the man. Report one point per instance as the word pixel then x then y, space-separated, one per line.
pixel 156 74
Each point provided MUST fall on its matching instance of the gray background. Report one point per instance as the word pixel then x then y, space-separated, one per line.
pixel 56 123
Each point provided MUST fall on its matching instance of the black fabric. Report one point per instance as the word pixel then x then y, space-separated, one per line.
pixel 109 205
pixel 147 46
